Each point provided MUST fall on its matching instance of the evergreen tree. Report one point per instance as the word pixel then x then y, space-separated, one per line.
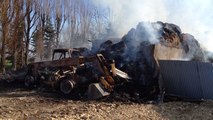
pixel 35 37
pixel 49 39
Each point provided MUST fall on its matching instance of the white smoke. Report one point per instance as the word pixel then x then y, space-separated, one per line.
pixel 193 16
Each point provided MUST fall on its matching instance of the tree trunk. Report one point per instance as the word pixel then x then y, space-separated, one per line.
pixel 4 29
pixel 26 50
pixel 3 58
pixel 14 58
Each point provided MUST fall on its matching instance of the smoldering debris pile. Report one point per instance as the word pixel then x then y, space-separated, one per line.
pixel 134 54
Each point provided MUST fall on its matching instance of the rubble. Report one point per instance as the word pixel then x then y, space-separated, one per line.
pixel 135 54
pixel 192 48
pixel 135 60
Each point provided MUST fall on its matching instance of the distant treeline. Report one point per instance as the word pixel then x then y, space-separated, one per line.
pixel 32 28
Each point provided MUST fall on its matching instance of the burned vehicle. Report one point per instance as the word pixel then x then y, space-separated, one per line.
pixel 69 53
pixel 70 72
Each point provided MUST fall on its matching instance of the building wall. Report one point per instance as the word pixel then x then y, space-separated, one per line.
pixel 187 79
pixel 168 53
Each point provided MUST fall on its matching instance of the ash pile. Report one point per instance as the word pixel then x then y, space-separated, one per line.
pixel 137 54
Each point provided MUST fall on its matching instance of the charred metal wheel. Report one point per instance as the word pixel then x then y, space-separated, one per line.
pixel 29 81
pixel 66 86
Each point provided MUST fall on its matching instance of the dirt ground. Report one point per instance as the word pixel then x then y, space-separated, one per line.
pixel 19 103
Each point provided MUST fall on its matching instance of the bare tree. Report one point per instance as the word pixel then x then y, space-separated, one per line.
pixel 31 17
pixel 15 44
pixel 72 13
pixel 44 13
pixel 100 22
pixel 79 19
pixel 85 21
pixel 85 13
pixel 41 23
pixel 6 17
pixel 60 18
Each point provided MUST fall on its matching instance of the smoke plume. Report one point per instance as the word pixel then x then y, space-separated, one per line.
pixel 193 16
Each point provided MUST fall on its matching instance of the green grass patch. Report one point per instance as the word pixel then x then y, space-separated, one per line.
pixel 8 64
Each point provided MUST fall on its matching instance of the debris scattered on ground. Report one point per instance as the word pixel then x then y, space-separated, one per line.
pixel 19 103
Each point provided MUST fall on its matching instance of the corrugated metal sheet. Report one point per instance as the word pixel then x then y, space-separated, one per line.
pixel 188 79
pixel 206 78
